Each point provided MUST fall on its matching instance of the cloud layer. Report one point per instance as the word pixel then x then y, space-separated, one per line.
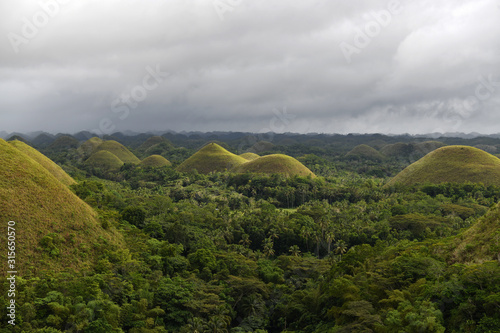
pixel 334 66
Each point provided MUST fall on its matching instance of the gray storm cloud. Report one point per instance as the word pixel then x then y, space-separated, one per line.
pixel 335 66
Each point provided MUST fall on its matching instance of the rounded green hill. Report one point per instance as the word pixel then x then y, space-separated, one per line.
pixel 88 147
pixel 64 142
pixel 427 146
pixel 43 208
pixel 457 164
pixel 275 163
pixel 104 160
pixel 211 158
pixel 364 152
pixel 152 141
pixel 155 161
pixel 249 156
pixel 119 151
pixel 44 161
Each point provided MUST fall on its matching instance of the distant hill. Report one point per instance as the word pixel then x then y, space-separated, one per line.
pixel 261 146
pixel 87 148
pixel 365 152
pixel 413 149
pixel 424 148
pixel 452 164
pixel 55 229
pixel 249 156
pixel 276 163
pixel 399 149
pixel 154 140
pixel 155 161
pixel 43 140
pixel 119 151
pixel 104 160
pixel 211 158
pixel 44 161
pixel 18 138
pixel 64 142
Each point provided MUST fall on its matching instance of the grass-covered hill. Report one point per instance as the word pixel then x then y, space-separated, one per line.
pixel 478 243
pixel 457 164
pixel 155 161
pixel 414 149
pixel 365 152
pixel 427 146
pixel 104 160
pixel 64 142
pixel 211 158
pixel 55 230
pixel 275 163
pixel 87 148
pixel 399 149
pixel 249 156
pixel 44 161
pixel 154 141
pixel 18 138
pixel 119 151
pixel 43 140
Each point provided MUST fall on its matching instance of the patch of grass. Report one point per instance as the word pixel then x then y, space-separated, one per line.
pixel 119 151
pixel 211 158
pixel 275 163
pixel 479 243
pixel 456 164
pixel 104 160
pixel 41 205
pixel 44 161
pixel 249 156
pixel 155 161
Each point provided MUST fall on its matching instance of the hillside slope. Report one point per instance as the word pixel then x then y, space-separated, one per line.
pixel 155 161
pixel 87 148
pixel 55 230
pixel 119 151
pixel 104 160
pixel 452 164
pixel 211 158
pixel 365 152
pixel 44 161
pixel 275 163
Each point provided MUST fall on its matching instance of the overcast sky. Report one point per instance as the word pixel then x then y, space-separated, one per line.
pixel 250 65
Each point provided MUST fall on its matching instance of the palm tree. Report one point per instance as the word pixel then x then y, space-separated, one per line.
pixel 196 325
pixel 245 240
pixel 330 237
pixel 217 324
pixel 273 233
pixel 294 250
pixel 341 248
pixel 268 247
